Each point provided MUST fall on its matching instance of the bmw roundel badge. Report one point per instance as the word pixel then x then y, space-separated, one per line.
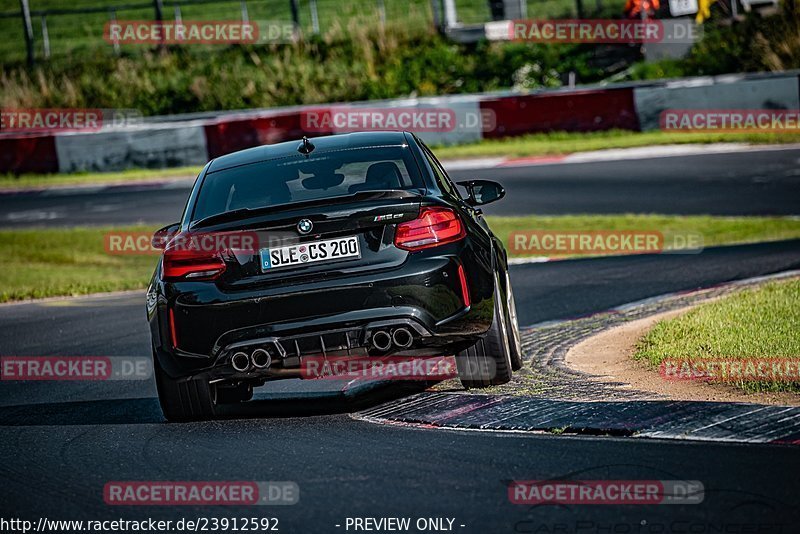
pixel 304 226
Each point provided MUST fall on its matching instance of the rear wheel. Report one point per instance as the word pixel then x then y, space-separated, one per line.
pixel 184 399
pixel 488 362
pixel 514 342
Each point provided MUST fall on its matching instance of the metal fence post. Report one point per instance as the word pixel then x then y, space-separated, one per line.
pixel 450 14
pixel 295 13
pixel 436 8
pixel 579 8
pixel 28 27
pixel 45 38
pixel 159 8
pixel 382 12
pixel 312 4
pixel 113 14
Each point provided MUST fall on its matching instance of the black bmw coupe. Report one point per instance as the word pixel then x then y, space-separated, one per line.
pixel 345 246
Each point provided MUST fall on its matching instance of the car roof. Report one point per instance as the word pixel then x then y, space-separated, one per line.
pixel 323 143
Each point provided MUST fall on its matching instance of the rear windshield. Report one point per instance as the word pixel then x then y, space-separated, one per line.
pixel 297 178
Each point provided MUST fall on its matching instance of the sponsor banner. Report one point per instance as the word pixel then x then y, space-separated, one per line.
pixel 379 368
pixel 150 32
pixel 600 242
pixel 732 370
pixel 730 120
pixel 415 119
pixel 206 493
pixel 605 492
pixel 74 368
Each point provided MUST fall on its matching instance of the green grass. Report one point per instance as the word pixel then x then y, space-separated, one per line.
pixel 53 262
pixel 132 175
pixel 50 262
pixel 556 143
pixel 715 230
pixel 529 145
pixel 69 33
pixel 757 323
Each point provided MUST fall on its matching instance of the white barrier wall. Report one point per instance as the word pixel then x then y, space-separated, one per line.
pixel 722 92
pixel 181 140
pixel 463 110
pixel 154 147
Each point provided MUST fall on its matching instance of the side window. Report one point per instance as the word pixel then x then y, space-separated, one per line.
pixel 444 180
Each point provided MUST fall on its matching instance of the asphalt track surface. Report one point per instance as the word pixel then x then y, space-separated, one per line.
pixel 746 183
pixel 61 442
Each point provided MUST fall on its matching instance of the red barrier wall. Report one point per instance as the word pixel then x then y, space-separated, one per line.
pixel 28 154
pixel 581 111
pixel 228 136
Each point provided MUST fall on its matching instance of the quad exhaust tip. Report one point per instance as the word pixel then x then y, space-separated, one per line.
pixel 260 359
pixel 381 340
pixel 240 362
pixel 402 338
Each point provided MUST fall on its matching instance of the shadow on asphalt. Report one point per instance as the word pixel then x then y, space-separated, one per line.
pixel 148 411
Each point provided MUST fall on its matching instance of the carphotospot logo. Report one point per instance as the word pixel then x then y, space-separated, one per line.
pixel 732 370
pixel 599 242
pixel 380 368
pixel 74 368
pixel 417 119
pixel 612 492
pixel 151 32
pixel 730 120
pixel 191 493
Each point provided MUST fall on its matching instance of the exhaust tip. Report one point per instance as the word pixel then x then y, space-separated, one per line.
pixel 240 362
pixel 381 340
pixel 260 359
pixel 402 338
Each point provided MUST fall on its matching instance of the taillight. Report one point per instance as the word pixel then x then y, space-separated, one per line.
pixel 191 265
pixel 433 227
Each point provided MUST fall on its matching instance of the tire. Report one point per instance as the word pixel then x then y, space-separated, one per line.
pixel 184 399
pixel 488 362
pixel 514 342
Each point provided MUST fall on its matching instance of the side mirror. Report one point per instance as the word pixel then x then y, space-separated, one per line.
pixel 483 191
pixel 162 236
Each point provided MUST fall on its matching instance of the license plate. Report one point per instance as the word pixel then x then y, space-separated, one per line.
pixel 313 252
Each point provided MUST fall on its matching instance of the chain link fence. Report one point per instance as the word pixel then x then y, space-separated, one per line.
pixel 54 30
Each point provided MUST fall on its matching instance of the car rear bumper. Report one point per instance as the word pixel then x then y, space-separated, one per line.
pixel 328 317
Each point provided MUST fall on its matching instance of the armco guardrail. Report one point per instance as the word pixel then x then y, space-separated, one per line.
pixel 193 139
